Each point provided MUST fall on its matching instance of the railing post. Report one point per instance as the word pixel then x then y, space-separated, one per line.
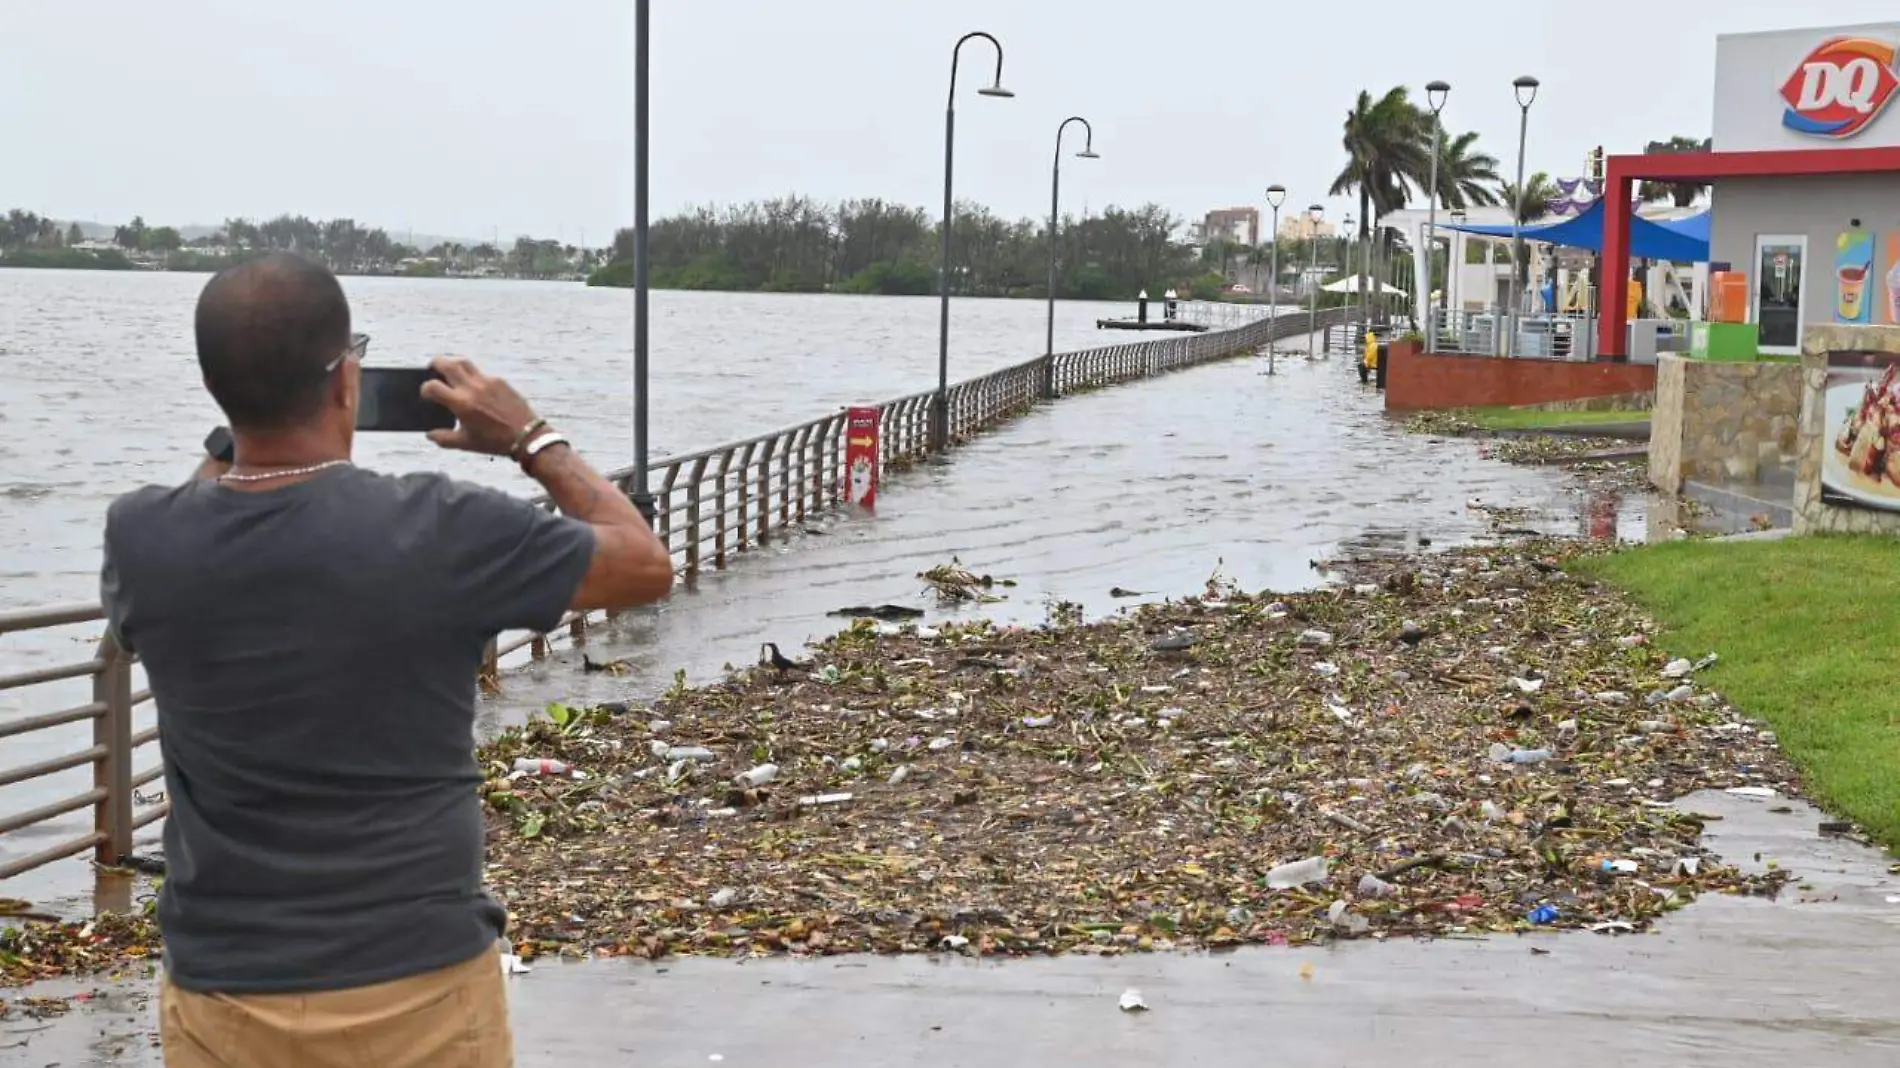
pixel 801 439
pixel 765 491
pixel 694 479
pixel 745 496
pixel 112 818
pixel 784 486
pixel 719 522
pixel 490 678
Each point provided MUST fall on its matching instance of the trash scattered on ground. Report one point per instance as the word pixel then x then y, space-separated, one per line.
pixel 610 667
pixel 1752 791
pixel 1131 1001
pixel 914 809
pixel 953 583
pixel 1544 915
pixel 512 965
pixel 1608 461
pixel 1836 827
pixel 885 612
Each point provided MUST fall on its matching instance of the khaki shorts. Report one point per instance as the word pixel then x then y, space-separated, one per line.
pixel 455 1017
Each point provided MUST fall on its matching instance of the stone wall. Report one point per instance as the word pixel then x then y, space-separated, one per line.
pixel 1718 421
pixel 1811 514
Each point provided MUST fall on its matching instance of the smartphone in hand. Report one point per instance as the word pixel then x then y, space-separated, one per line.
pixel 392 400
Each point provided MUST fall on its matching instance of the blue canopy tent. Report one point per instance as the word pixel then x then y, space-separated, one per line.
pixel 1681 240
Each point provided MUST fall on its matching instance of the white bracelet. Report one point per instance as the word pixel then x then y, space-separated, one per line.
pixel 533 448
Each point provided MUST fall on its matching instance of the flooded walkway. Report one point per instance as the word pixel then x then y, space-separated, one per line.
pixel 1151 487
pixel 1804 980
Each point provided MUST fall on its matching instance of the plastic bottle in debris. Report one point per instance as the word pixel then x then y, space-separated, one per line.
pixel 757 777
pixel 1298 873
pixel 542 766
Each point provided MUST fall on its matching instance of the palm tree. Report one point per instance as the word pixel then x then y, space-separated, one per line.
pixel 1683 194
pixel 1466 177
pixel 1386 146
pixel 1529 205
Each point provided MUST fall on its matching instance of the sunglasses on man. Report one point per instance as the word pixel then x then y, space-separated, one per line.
pixel 359 344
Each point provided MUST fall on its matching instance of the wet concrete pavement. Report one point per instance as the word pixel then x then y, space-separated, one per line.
pixel 1151 487
pixel 1806 980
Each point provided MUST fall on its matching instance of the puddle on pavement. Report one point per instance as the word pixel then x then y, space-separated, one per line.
pixel 1802 980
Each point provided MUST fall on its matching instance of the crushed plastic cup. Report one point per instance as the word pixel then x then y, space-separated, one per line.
pixel 1344 919
pixel 1298 873
pixel 1372 886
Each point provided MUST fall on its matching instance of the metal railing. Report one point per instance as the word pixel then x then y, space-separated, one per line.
pixel 713 505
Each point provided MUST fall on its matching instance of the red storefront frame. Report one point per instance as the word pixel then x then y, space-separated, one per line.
pixel 1621 172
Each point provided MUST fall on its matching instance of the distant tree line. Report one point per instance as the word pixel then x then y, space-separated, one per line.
pixel 28 239
pixel 799 245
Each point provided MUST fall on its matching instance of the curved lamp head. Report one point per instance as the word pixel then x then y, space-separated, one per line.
pixel 1435 93
pixel 1317 212
pixel 1088 153
pixel 1276 196
pixel 1526 89
pixel 996 91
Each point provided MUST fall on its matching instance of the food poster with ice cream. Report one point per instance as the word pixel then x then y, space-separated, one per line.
pixel 1853 263
pixel 1860 461
pixel 1890 276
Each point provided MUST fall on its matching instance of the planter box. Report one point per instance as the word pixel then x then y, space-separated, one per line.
pixel 1724 341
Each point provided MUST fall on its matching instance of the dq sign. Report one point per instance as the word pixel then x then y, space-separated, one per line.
pixel 1839 89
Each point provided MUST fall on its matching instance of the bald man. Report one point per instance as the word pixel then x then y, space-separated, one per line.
pixel 312 632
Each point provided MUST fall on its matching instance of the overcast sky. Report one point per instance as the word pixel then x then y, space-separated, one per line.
pixel 477 117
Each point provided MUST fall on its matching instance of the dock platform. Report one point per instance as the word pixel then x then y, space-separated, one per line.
pixel 1151 324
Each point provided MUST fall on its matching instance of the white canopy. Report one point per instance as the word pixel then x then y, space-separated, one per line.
pixel 1350 284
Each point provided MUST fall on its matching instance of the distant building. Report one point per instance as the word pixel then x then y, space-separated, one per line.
pixel 1299 226
pixel 1238 226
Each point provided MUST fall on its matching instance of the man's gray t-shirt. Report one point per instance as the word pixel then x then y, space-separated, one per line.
pixel 313 652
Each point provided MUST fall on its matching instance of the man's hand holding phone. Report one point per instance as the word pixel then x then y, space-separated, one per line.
pixel 490 416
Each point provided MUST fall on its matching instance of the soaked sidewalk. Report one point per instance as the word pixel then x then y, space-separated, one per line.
pixel 1150 487
pixel 1803 980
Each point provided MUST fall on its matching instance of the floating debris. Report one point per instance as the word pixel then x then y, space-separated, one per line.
pixel 912 808
pixel 953 583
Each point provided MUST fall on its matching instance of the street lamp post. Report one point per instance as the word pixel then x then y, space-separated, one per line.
pixel 940 406
pixel 1314 213
pixel 1357 298
pixel 1454 266
pixel 1435 93
pixel 1055 199
pixel 638 490
pixel 1525 87
pixel 1276 196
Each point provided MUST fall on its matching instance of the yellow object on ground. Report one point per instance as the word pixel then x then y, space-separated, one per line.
pixel 1372 350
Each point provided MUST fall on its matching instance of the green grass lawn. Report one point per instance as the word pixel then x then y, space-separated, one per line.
pixel 1809 633
pixel 1538 419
